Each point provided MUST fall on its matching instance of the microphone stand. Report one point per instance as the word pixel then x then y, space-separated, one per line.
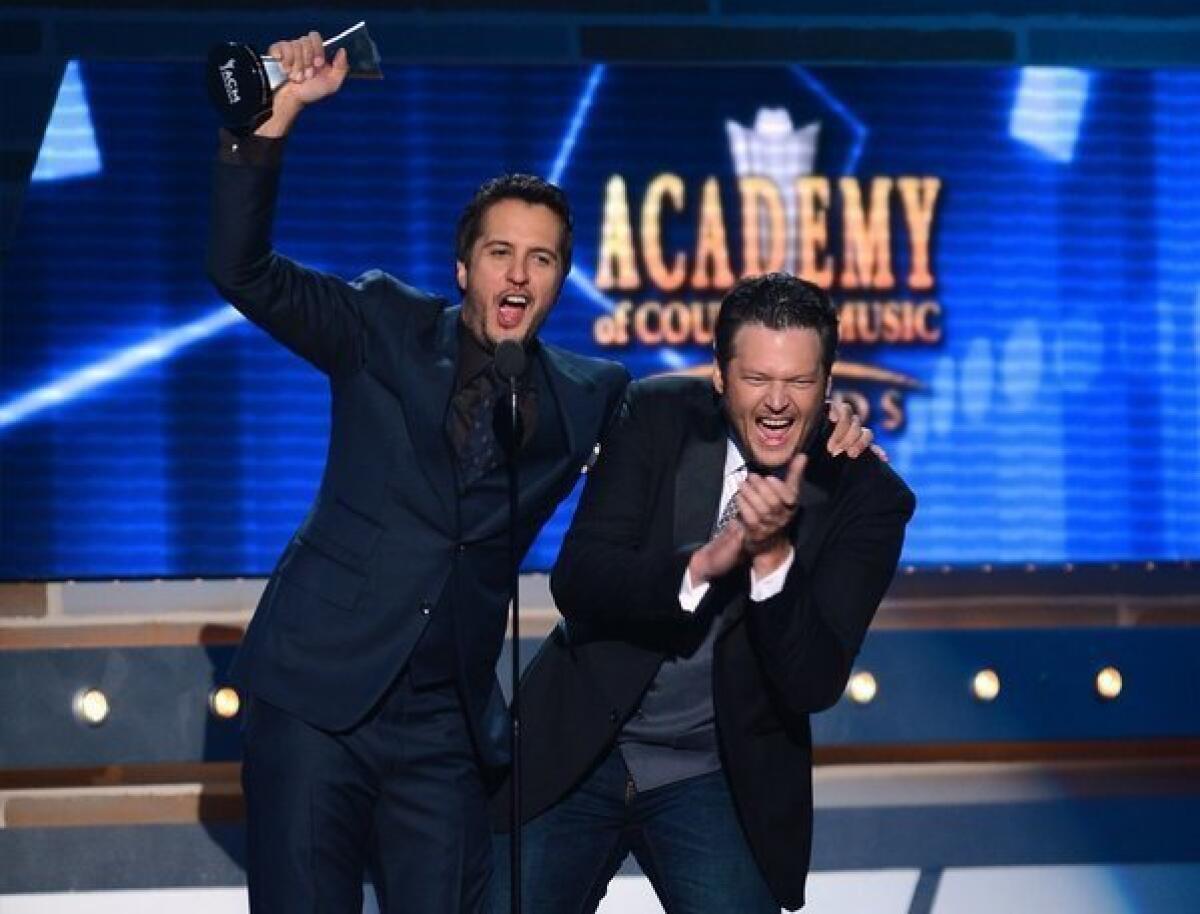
pixel 510 364
pixel 515 708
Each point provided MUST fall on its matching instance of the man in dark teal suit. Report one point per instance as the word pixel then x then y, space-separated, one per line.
pixel 374 719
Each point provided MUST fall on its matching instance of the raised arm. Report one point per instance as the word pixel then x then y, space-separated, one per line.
pixel 317 316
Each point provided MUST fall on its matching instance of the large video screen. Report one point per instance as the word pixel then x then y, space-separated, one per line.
pixel 1015 252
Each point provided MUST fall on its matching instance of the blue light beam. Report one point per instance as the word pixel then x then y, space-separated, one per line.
pixel 856 127
pixel 577 277
pixel 69 147
pixel 584 103
pixel 120 365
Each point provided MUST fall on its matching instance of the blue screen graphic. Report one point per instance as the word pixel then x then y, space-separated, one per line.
pixel 1015 252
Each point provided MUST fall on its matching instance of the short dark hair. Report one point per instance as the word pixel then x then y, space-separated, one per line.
pixel 529 188
pixel 777 301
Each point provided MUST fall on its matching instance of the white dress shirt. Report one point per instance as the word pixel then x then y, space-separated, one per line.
pixel 762 588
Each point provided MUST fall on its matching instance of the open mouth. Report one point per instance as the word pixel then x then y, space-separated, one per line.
pixel 774 431
pixel 511 312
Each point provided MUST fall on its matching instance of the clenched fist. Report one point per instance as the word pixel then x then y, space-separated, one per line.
pixel 310 78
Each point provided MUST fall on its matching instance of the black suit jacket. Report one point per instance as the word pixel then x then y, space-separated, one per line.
pixel 649 503
pixel 387 538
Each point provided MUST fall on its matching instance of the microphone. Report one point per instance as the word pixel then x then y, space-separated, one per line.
pixel 510 364
pixel 510 360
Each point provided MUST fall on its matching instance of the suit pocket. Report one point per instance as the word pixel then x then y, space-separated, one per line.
pixel 342 534
pixel 313 571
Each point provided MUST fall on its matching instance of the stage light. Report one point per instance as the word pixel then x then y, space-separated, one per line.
pixel 1048 109
pixel 224 702
pixel 862 688
pixel 986 685
pixel 1109 683
pixel 90 707
pixel 69 148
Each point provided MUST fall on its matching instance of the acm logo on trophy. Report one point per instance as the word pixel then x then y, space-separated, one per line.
pixel 242 83
pixel 867 239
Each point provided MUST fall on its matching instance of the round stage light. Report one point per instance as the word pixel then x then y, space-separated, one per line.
pixel 1109 683
pixel 986 685
pixel 224 702
pixel 90 707
pixel 862 688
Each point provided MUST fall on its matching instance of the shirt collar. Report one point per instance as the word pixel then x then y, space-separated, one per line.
pixel 734 461
pixel 474 358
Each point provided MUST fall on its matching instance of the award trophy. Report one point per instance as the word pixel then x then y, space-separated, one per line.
pixel 242 83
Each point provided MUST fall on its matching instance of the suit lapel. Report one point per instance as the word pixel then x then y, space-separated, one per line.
pixel 699 478
pixel 427 382
pixel 570 390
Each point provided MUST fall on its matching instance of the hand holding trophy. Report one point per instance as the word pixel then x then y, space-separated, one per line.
pixel 246 87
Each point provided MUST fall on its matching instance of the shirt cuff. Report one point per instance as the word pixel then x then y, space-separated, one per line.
pixel 690 595
pixel 263 151
pixel 769 585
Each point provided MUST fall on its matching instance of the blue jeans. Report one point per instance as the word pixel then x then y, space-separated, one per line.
pixel 685 836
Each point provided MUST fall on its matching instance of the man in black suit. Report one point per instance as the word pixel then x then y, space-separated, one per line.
pixel 374 718
pixel 716 584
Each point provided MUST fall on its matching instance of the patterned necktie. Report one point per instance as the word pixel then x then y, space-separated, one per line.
pixel 728 513
pixel 480 452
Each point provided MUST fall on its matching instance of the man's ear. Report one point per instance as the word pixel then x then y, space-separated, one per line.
pixel 717 378
pixel 460 274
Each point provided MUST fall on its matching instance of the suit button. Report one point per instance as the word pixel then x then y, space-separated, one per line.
pixel 613 715
pixel 462 547
pixel 425 607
